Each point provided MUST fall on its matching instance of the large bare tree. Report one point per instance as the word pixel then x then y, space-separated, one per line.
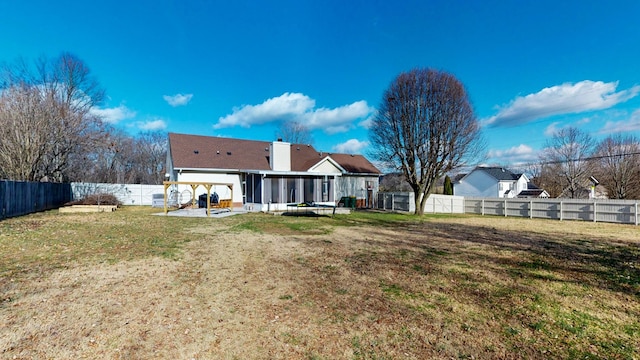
pixel 568 154
pixel 425 127
pixel 23 115
pixel 618 166
pixel 45 116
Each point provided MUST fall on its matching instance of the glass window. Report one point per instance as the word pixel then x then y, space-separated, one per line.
pixel 308 190
pixel 275 190
pixel 248 186
pixel 257 188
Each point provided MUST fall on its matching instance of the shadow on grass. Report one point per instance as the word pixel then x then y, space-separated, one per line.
pixel 597 261
pixel 303 214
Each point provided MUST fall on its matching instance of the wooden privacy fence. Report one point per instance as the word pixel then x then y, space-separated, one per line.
pixel 613 211
pixel 24 197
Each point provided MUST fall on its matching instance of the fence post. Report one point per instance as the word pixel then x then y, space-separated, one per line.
pixel 505 207
pixel 393 201
pixel 595 214
pixel 560 210
pixel 530 209
pixel 482 207
pixel 636 213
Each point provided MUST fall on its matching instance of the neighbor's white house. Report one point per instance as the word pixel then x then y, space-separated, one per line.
pixel 268 175
pixel 496 182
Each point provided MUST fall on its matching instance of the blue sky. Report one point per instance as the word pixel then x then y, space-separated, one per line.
pixel 238 68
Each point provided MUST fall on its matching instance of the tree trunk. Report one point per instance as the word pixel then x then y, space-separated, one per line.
pixel 420 198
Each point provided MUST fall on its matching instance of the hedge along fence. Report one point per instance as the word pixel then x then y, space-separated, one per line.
pixel 24 197
pixel 609 210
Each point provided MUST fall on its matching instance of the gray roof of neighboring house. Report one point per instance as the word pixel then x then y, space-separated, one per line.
pixel 499 173
pixel 531 192
pixel 208 152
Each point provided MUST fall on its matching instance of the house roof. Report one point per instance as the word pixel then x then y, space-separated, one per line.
pixel 499 173
pixel 531 192
pixel 208 152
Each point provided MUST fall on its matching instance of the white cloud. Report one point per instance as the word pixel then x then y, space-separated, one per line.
pixel 113 115
pixel 178 99
pixel 338 119
pixel 368 122
pixel 152 125
pixel 517 154
pixel 633 124
pixel 351 146
pixel 297 107
pixel 552 129
pixel 567 98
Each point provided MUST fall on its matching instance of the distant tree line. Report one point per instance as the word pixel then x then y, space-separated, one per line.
pixel 49 133
pixel 572 159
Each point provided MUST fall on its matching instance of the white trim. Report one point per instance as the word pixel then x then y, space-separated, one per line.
pixel 261 172
pixel 291 173
pixel 329 159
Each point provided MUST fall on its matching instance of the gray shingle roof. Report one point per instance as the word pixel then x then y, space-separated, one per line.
pixel 499 173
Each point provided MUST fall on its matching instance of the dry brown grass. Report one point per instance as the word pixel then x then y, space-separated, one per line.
pixel 365 286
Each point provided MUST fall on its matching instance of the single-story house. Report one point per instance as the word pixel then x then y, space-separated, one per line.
pixel 268 175
pixel 484 181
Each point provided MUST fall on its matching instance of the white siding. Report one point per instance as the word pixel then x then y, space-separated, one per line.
pixel 280 156
pixel 478 184
pixel 325 166
pixel 521 184
pixel 223 191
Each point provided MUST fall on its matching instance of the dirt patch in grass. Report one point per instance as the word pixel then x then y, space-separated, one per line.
pixel 364 286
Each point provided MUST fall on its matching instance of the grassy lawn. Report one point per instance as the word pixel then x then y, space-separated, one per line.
pixel 368 285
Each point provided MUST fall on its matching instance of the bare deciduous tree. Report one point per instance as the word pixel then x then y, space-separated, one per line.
pixel 294 132
pixel 151 150
pixel 426 127
pixel 121 158
pixel 549 177
pixel 394 182
pixel 618 166
pixel 570 149
pixel 46 117
pixel 23 144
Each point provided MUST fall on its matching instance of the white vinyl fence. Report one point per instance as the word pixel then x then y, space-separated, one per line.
pixel 405 201
pixel 599 210
pixel 609 210
pixel 127 194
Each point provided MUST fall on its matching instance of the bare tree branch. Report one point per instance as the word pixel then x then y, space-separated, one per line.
pixel 294 132
pixel 567 155
pixel 618 166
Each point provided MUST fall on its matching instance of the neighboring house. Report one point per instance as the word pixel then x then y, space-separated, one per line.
pixel 495 182
pixel 586 190
pixel 532 191
pixel 269 175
